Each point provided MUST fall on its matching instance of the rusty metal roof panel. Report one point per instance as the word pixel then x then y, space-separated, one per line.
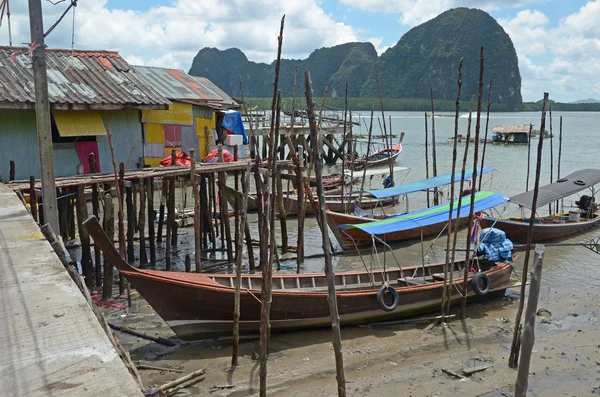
pixel 78 79
pixel 178 85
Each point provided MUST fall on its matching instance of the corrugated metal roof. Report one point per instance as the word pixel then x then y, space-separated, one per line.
pixel 178 85
pixel 77 80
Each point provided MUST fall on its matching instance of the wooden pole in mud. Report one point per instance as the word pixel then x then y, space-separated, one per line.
pixel 458 206
pixel 161 209
pixel 142 223
pixel 528 156
pixel 197 232
pixel 33 198
pixel 224 212
pixel 279 185
pixel 513 359
pixel 433 149
pixel 487 123
pixel 473 184
pixel 11 171
pixel 130 221
pixel 344 143
pixel 96 213
pixel 559 156
pixel 362 183
pixel 301 203
pixel 528 338
pixel 151 217
pixel 171 204
pixel 427 157
pixel 550 212
pixel 329 272
pixel 84 237
pixel 170 219
pixel 109 228
pixel 239 246
pixel 265 325
pixel 385 136
pixel 452 184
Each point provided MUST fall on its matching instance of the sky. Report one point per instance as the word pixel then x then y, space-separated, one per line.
pixel 557 41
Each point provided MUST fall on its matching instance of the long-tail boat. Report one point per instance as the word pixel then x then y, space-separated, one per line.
pixel 422 223
pixel 335 219
pixel 381 157
pixel 555 226
pixel 200 306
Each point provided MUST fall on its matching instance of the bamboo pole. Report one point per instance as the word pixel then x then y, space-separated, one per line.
pixel 452 183
pixel 33 198
pixel 224 211
pixel 427 157
pixel 344 138
pixel 238 268
pixel 301 204
pixel 528 338
pixel 362 184
pixel 109 229
pixel 473 184
pixel 130 222
pixel 433 149
pixel 329 272
pixel 513 359
pixel 458 207
pixel 559 156
pixel 385 136
pixel 151 217
pixel 170 219
pixel 528 156
pixel 487 123
pixel 84 237
pixel 197 232
pixel 265 325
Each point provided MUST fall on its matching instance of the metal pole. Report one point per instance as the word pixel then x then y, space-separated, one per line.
pixel 42 114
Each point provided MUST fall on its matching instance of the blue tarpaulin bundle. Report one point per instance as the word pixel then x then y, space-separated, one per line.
pixel 494 244
pixel 233 122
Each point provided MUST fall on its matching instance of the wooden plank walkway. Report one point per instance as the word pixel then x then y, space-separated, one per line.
pixel 50 342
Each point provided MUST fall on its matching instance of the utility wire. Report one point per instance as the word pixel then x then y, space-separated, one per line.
pixel 73 4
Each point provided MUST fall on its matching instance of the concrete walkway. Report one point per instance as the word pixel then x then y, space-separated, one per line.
pixel 51 344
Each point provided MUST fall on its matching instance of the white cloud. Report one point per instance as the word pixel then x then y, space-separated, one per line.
pixel 415 12
pixel 173 34
pixel 527 31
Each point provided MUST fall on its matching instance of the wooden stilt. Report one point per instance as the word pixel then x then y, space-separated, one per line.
pixel 550 211
pixel 436 199
pixel 109 228
pixel 188 263
pixel 142 223
pixel 11 171
pixel 170 220
pixel 528 156
pixel 96 213
pixel 242 206
pixel 487 123
pixel 301 212
pixel 197 232
pixel 122 243
pixel 427 158
pixel 33 198
pixel 559 157
pixel 130 222
pixel 63 223
pixel 151 218
pixel 223 208
pixel 236 200
pixel 450 227
pixel 71 212
pixel 473 184
pixel 84 237
pixel 528 338
pixel 513 359
pixel 329 272
pixel 161 209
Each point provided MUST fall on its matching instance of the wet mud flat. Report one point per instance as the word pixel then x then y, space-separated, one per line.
pixel 401 359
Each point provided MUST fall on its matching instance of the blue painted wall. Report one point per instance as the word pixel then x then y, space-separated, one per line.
pixel 18 142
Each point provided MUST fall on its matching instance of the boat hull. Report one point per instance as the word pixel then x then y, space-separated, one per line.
pixel 197 308
pixel 517 231
pixel 353 237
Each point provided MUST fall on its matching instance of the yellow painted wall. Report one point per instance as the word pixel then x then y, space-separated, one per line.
pixel 75 123
pixel 178 113
pixel 155 133
pixel 201 124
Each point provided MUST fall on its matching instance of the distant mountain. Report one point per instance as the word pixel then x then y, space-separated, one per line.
pixel 426 56
pixel 589 100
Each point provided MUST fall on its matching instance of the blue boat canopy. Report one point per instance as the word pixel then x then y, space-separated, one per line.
pixel 429 216
pixel 417 186
pixel 233 122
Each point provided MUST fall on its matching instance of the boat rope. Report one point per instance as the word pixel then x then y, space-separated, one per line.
pixel 255 297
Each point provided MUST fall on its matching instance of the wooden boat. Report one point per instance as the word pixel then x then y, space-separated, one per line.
pixel 199 306
pixel 352 231
pixel 554 226
pixel 333 202
pixel 381 157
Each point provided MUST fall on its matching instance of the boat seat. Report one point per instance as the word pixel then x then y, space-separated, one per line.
pixel 416 280
pixel 455 276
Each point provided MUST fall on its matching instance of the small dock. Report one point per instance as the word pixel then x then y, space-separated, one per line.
pixel 51 344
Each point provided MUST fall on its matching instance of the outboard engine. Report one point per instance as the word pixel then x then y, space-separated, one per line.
pixel 586 203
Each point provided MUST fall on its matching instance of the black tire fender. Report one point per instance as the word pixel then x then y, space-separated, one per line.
pixel 480 284
pixel 380 298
